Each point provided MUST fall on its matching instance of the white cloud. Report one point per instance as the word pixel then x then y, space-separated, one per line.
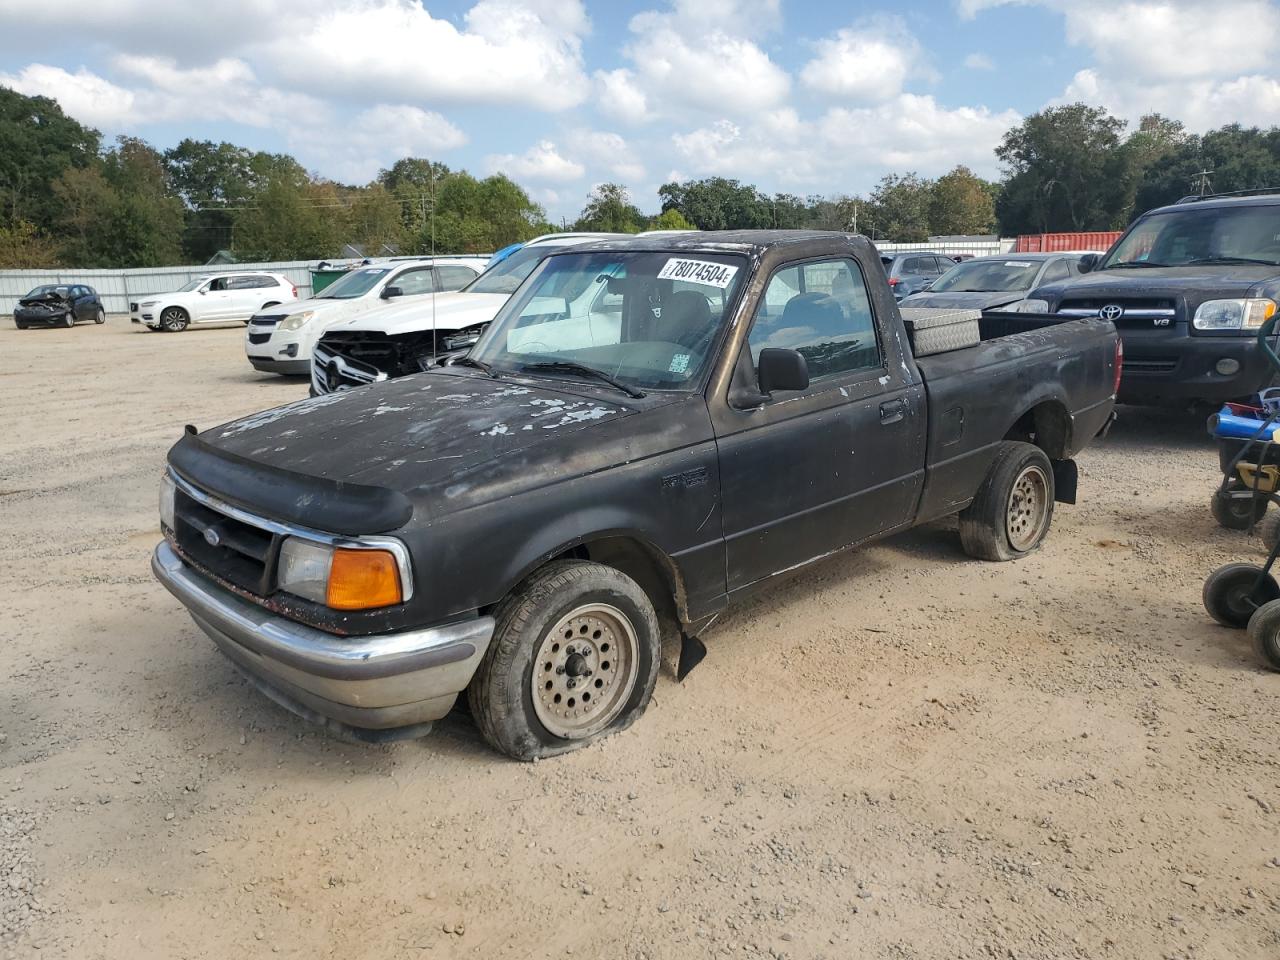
pixel 869 61
pixel 1200 104
pixel 979 61
pixel 601 150
pixel 510 52
pixel 157 90
pixel 699 56
pixel 542 161
pixel 618 95
pixel 373 139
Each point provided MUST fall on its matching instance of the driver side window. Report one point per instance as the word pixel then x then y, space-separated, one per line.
pixel 823 311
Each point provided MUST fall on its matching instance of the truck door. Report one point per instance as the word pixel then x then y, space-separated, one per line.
pixel 804 474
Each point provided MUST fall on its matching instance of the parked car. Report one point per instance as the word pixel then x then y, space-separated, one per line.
pixel 59 305
pixel 400 339
pixel 989 283
pixel 281 341
pixel 1188 286
pixel 527 524
pixel 213 299
pixel 909 273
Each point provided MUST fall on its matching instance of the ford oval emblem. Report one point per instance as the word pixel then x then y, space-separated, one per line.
pixel 1112 312
pixel 212 537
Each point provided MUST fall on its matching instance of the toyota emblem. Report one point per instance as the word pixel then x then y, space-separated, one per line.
pixel 1112 311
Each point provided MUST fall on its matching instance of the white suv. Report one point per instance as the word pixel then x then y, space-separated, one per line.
pixel 213 299
pixel 281 341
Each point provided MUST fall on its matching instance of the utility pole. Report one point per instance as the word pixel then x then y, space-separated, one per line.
pixel 1203 177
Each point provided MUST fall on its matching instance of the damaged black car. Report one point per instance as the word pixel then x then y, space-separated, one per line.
pixel 59 305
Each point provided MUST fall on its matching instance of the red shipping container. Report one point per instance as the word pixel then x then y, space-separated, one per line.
pixel 1098 240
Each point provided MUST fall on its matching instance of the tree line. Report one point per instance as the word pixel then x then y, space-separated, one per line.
pixel 66 197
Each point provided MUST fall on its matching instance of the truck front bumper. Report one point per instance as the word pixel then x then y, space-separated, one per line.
pixel 1160 368
pixel 374 687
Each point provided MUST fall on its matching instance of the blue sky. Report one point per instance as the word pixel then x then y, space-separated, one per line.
pixel 799 96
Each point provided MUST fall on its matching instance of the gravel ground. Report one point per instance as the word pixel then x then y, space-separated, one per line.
pixel 896 753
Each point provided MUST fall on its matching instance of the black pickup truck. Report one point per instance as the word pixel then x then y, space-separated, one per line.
pixel 527 524
pixel 1188 286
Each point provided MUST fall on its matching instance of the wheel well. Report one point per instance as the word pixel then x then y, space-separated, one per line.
pixel 1048 426
pixel 655 573
pixel 270 303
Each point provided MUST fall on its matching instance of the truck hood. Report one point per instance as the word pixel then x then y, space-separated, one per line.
pixel 970 300
pixel 415 431
pixel 1200 282
pixel 453 311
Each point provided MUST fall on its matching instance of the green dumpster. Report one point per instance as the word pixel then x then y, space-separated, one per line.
pixel 322 278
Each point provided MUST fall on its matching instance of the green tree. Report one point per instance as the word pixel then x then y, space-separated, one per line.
pixel 291 221
pixel 374 219
pixel 413 181
pixel 961 204
pixel 717 203
pixel 671 219
pixel 1229 158
pixel 22 247
pixel 38 142
pixel 898 209
pixel 609 209
pixel 483 215
pixel 1064 171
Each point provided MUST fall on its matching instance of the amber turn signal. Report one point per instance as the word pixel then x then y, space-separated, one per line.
pixel 363 579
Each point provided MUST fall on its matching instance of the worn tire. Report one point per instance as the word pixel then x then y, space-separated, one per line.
pixel 68 319
pixel 501 692
pixel 985 525
pixel 1230 596
pixel 174 320
pixel 100 316
pixel 1235 513
pixel 1264 633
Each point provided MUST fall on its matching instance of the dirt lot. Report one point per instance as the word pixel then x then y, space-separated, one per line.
pixel 897 753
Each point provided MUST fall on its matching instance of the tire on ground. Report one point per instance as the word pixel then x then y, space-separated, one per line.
pixel 1232 593
pixel 501 692
pixel 1264 632
pixel 985 525
pixel 1236 513
pixel 174 320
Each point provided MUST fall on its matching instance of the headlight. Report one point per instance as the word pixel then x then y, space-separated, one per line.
pixel 167 491
pixel 1030 306
pixel 296 321
pixel 342 578
pixel 1249 314
pixel 148 303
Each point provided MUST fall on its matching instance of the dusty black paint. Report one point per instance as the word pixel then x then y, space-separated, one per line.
pixel 503 475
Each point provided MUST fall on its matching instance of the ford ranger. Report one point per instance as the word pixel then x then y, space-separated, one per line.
pixel 527 524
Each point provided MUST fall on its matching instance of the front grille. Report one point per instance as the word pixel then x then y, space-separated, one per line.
pixel 259 337
pixel 235 551
pixel 1138 313
pixel 333 369
pixel 133 307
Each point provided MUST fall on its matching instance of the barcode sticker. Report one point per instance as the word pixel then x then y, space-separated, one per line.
pixel 698 271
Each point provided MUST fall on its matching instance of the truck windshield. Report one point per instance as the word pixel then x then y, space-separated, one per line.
pixel 503 277
pixel 987 276
pixel 648 320
pixel 354 284
pixel 1198 235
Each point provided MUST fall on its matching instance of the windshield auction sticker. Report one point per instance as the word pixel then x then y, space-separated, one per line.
pixel 698 271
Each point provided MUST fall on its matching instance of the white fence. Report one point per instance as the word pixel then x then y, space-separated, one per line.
pixel 974 248
pixel 118 287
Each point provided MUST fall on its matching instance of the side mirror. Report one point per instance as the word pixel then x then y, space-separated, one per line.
pixel 1088 262
pixel 389 292
pixel 780 369
pixel 202 291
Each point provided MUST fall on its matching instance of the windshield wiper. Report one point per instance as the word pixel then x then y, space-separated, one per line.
pixel 1133 263
pixel 1266 263
pixel 478 364
pixel 569 366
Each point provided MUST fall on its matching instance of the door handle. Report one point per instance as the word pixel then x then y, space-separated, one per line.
pixel 891 411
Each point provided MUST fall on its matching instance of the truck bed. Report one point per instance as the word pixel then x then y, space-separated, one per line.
pixel 1063 370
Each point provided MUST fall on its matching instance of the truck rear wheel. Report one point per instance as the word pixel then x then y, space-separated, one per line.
pixel 1013 510
pixel 574 657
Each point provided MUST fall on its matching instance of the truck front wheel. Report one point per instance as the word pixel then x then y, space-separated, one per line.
pixel 574 657
pixel 1013 509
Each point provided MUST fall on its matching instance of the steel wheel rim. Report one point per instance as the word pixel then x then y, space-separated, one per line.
pixel 171 320
pixel 585 671
pixel 1028 510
